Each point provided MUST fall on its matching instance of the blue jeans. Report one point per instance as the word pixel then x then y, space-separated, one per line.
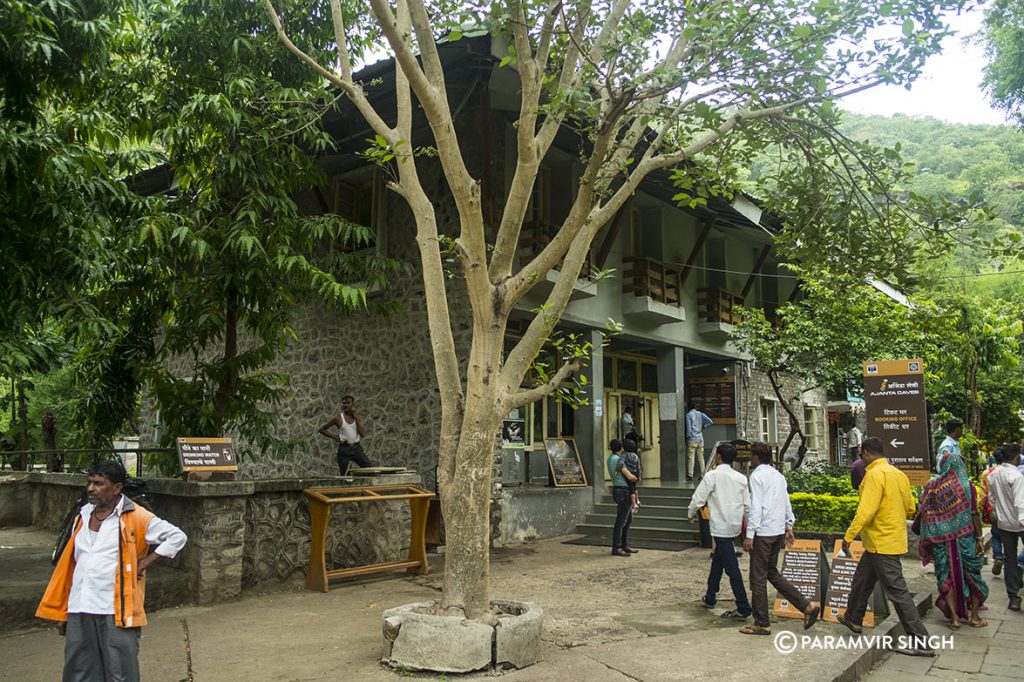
pixel 724 559
pixel 997 544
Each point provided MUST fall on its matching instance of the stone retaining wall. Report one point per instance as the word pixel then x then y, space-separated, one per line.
pixel 240 532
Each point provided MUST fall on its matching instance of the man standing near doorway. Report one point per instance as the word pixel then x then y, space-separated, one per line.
pixel 724 490
pixel 349 435
pixel 853 442
pixel 696 422
pixel 621 477
pixel 97 591
pixel 881 521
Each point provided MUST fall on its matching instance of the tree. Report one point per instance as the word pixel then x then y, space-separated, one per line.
pixel 1002 36
pixel 839 322
pixel 648 87
pixel 238 123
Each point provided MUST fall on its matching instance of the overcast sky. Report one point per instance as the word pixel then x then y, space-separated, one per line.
pixel 949 88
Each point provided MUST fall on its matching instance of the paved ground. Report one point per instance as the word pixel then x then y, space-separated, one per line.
pixel 984 654
pixel 606 618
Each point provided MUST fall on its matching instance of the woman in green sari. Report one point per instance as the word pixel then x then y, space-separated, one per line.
pixel 951 537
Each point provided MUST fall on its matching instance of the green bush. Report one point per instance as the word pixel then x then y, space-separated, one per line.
pixel 823 513
pixel 826 513
pixel 820 479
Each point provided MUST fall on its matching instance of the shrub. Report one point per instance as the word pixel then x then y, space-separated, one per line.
pixel 823 513
pixel 826 513
pixel 820 479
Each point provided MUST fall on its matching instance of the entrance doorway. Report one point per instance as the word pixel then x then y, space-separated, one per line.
pixel 644 408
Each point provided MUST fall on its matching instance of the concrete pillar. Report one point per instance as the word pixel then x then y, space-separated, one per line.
pixel 588 422
pixel 672 413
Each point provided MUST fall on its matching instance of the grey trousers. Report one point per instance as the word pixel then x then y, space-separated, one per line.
pixel 886 569
pixel 96 650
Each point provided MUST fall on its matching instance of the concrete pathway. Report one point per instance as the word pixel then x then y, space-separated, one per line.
pixel 984 654
pixel 606 619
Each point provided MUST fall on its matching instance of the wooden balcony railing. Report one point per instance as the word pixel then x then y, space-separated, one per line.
pixel 536 236
pixel 719 305
pixel 654 279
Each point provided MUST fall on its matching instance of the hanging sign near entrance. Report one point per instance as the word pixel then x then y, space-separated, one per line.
pixel 207 454
pixel 897 413
pixel 714 396
pixel 513 433
pixel 840 580
pixel 803 566
pixel 564 462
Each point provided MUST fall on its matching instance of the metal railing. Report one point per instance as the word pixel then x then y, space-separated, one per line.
pixel 31 460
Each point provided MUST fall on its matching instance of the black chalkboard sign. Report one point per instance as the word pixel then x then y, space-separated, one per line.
pixel 564 462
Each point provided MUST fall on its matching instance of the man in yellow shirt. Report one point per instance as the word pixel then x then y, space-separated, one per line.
pixel 881 521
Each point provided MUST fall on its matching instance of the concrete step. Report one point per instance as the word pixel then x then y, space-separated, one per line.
pixel 690 536
pixel 647 508
pixel 645 517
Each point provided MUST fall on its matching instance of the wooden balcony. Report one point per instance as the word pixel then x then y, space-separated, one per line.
pixel 534 238
pixel 652 290
pixel 718 311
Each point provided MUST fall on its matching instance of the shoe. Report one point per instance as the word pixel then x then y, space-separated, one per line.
pixel 997 567
pixel 1014 604
pixel 630 550
pixel 620 552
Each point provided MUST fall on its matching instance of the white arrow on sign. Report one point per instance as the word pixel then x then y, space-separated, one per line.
pixel 896 443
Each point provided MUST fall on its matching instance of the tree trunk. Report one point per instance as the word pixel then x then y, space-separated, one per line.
pixel 466 505
pixel 21 462
pixel 228 379
pixel 50 442
pixel 466 494
pixel 794 424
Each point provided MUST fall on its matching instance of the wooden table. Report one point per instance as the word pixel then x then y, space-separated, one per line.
pixel 322 499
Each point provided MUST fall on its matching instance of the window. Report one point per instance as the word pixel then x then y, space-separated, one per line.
pixel 356 198
pixel 769 428
pixel 812 429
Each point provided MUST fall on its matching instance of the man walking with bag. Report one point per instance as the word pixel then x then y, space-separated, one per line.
pixel 725 492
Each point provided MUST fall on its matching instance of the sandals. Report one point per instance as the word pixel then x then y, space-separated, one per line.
pixel 980 623
pixel 754 630
pixel 953 625
pixel 855 629
pixel 734 615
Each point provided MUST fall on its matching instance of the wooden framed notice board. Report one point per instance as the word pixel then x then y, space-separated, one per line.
pixel 564 462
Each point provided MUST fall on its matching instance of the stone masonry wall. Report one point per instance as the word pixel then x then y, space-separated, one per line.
pixel 757 386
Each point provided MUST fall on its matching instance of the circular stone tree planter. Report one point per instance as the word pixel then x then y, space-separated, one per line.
pixel 415 639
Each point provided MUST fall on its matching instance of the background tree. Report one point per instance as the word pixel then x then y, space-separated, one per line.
pixel 839 322
pixel 649 86
pixel 1002 36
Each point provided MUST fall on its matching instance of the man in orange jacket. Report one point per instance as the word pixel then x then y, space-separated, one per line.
pixel 98 589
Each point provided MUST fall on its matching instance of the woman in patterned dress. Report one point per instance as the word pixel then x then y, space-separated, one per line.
pixel 951 537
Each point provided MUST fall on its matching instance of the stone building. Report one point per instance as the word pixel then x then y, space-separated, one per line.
pixel 677 275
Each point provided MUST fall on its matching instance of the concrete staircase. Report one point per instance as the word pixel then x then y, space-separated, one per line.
pixel 660 523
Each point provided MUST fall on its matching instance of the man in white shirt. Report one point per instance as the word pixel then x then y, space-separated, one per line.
pixel 854 438
pixel 724 490
pixel 769 527
pixel 97 590
pixel 1006 495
